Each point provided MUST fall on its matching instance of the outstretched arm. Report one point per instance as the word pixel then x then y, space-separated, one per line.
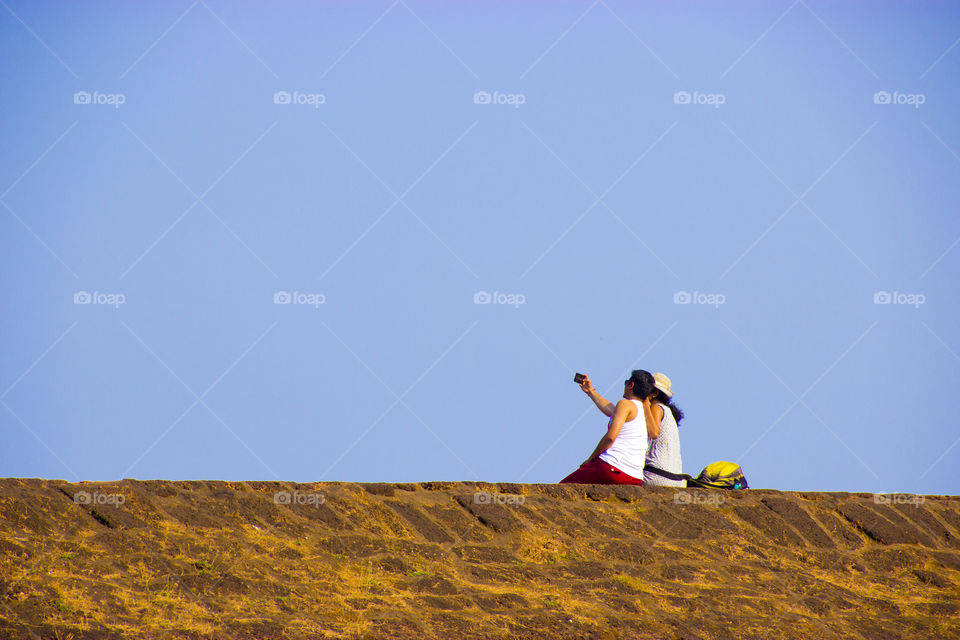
pixel 602 403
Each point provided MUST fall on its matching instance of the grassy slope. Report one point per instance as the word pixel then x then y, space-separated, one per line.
pixel 237 560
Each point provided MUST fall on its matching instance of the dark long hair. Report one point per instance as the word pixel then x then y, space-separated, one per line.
pixel 644 385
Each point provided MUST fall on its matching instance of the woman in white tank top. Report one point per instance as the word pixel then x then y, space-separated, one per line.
pixel 636 422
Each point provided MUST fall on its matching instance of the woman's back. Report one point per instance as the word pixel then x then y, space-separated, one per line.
pixel 628 452
pixel 663 452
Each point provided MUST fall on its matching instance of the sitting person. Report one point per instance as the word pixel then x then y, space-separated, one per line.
pixel 620 455
pixel 663 450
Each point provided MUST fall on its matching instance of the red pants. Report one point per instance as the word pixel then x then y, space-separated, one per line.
pixel 599 472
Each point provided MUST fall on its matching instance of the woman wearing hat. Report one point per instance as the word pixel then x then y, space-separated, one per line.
pixel 663 451
pixel 642 431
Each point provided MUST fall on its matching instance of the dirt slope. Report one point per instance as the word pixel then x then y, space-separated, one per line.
pixel 220 560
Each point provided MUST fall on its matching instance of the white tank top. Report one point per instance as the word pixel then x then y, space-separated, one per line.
pixel 664 452
pixel 629 451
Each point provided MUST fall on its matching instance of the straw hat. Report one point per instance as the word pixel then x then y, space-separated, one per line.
pixel 662 382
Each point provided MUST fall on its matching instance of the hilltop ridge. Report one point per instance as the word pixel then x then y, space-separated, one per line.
pixel 245 560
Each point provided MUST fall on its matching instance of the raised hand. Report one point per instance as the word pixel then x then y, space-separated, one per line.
pixel 586 385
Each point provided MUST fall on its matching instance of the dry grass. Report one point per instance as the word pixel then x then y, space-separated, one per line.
pixel 175 578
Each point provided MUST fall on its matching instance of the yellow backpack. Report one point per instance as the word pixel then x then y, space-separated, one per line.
pixel 719 475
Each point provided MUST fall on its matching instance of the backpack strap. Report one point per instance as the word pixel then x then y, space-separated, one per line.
pixel 693 482
pixel 666 474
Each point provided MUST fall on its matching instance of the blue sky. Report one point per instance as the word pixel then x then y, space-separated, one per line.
pixel 173 172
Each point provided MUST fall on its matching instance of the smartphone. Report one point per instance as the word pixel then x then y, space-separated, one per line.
pixel 579 378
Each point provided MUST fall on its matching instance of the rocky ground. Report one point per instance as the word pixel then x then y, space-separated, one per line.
pixel 217 560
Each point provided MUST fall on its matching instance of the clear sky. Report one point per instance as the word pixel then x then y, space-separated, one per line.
pixel 173 172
